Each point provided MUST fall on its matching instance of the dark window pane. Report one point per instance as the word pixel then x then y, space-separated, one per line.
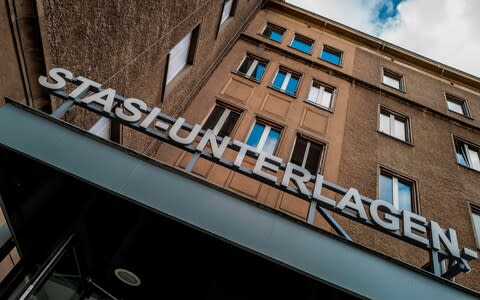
pixel 301 45
pixel 213 118
pixel 271 142
pixel 404 196
pixel 247 63
pixel 255 135
pixel 292 85
pixel 229 124
pixel 386 188
pixel 273 33
pixel 258 72
pixel 277 83
pixel 313 158
pixel 299 151
pixel 331 56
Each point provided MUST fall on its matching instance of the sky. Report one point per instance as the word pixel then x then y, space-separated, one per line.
pixel 447 31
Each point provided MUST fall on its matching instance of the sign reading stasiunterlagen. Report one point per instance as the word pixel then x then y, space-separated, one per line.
pixel 270 169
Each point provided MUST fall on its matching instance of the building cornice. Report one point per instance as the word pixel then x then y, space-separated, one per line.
pixel 363 39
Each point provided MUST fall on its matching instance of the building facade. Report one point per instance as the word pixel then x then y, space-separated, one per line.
pixel 356 110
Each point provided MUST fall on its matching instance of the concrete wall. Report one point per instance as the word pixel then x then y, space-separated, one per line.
pixel 124 45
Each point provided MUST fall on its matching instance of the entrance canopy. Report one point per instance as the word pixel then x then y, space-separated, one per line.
pixel 88 162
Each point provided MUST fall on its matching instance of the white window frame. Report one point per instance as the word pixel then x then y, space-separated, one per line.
pixel 227 5
pixel 304 39
pixel 183 55
pixel 392 117
pixel 475 210
pixel 250 70
pixel 276 27
pixel 469 150
pixel 307 150
pixel 394 77
pixel 458 101
pixel 320 94
pixel 395 199
pixel 265 133
pixel 286 80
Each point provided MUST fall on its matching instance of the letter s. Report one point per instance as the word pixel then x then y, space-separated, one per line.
pixel 55 75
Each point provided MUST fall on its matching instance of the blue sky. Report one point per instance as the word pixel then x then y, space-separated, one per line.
pixel 443 30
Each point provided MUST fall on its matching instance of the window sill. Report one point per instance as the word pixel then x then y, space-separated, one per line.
pixel 331 63
pixel 298 50
pixel 330 110
pixel 266 37
pixel 396 139
pixel 394 88
pixel 247 77
pixel 294 96
pixel 459 114
pixel 471 169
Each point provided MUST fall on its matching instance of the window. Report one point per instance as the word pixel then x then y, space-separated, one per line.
pixel 331 55
pixel 457 105
pixel 393 79
pixel 307 154
pixel 302 43
pixel 476 223
pixel 394 125
pixel 286 81
pixel 227 10
pixel 182 54
pixel 222 120
pixel 263 137
pixel 321 94
pixel 252 67
pixel 467 155
pixel 397 191
pixel 273 32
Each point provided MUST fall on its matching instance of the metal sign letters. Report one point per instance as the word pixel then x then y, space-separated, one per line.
pixel 270 169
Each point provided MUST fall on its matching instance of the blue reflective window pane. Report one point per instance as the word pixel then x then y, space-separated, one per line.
pixel 277 83
pixel 271 142
pixel 461 160
pixel 330 56
pixel 258 72
pixel 273 34
pixel 292 85
pixel 386 188
pixel 301 45
pixel 276 36
pixel 255 135
pixel 404 196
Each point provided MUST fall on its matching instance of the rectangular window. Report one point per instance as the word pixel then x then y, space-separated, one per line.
pixel 264 138
pixel 476 223
pixel 252 67
pixel 227 10
pixel 307 154
pixel 182 54
pixel 457 105
pixel 394 125
pixel 467 155
pixel 397 191
pixel 273 32
pixel 393 79
pixel 222 120
pixel 286 81
pixel 302 43
pixel 331 55
pixel 321 94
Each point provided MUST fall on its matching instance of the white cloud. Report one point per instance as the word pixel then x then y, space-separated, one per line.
pixel 443 30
